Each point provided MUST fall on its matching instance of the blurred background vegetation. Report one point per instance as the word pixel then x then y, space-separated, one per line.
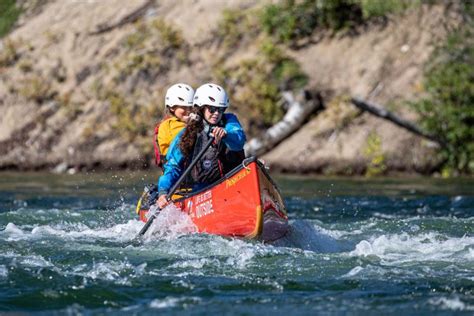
pixel 445 110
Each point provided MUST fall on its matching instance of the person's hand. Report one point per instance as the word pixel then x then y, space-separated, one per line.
pixel 162 201
pixel 218 133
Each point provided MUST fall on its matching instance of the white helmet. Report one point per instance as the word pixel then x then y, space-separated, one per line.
pixel 179 94
pixel 211 94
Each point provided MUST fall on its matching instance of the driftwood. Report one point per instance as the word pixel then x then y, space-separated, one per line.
pixel 129 18
pixel 297 113
pixel 379 111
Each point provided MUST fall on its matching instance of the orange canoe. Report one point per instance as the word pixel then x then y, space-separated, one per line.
pixel 245 203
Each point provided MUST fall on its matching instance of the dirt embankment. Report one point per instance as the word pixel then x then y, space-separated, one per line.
pixel 384 64
pixel 80 80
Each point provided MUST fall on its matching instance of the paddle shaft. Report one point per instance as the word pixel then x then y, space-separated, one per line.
pixel 177 184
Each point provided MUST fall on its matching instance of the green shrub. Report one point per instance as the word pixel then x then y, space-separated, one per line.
pixel 232 26
pixel 36 88
pixel 149 51
pixel 289 21
pixel 257 83
pixel 259 94
pixel 170 36
pixel 286 72
pixel 448 111
pixel 378 8
pixel 339 14
pixel 9 13
pixel 373 151
pixel 132 118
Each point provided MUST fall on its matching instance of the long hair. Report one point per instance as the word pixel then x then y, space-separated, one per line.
pixel 193 128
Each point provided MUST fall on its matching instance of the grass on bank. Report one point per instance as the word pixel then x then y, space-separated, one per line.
pixel 9 14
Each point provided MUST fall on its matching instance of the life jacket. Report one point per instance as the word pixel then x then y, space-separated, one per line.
pixel 159 158
pixel 172 127
pixel 215 163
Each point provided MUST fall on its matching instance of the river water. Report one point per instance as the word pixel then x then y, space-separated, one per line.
pixel 356 246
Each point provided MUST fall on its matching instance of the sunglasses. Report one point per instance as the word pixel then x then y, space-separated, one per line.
pixel 214 109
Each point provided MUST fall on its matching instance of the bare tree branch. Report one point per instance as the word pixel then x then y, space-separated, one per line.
pixel 298 112
pixel 381 112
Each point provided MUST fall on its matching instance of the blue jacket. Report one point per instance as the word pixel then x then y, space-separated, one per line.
pixel 174 167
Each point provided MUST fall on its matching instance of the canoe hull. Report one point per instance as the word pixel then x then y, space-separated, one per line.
pixel 246 203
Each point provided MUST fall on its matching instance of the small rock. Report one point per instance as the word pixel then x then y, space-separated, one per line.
pixel 61 168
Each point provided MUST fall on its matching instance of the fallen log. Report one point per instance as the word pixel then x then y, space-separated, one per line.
pixel 298 112
pixel 381 112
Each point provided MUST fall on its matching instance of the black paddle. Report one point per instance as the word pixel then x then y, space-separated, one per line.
pixel 176 185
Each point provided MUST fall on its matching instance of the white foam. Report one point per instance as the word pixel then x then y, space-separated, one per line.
pixel 470 254
pixel 339 234
pixel 45 230
pixel 116 271
pixel 243 253
pixel 105 271
pixel 386 216
pixel 120 232
pixel 195 263
pixel 454 304
pixel 3 271
pixel 173 301
pixel 13 232
pixel 29 262
pixel 353 272
pixel 185 284
pixel 36 262
pixel 401 248
pixel 170 223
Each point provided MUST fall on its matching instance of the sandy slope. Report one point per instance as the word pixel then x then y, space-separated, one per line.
pixel 55 47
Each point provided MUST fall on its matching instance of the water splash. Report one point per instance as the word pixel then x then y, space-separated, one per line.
pixel 170 223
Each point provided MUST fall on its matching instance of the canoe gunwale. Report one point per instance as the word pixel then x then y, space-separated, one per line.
pixel 227 176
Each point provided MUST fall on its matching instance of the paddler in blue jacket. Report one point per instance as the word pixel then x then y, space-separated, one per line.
pixel 210 101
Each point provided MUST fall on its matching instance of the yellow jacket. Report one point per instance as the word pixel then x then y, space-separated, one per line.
pixel 168 130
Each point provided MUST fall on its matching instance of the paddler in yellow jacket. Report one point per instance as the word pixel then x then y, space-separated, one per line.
pixel 178 103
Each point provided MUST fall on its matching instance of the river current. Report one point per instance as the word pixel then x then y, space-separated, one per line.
pixel 356 246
